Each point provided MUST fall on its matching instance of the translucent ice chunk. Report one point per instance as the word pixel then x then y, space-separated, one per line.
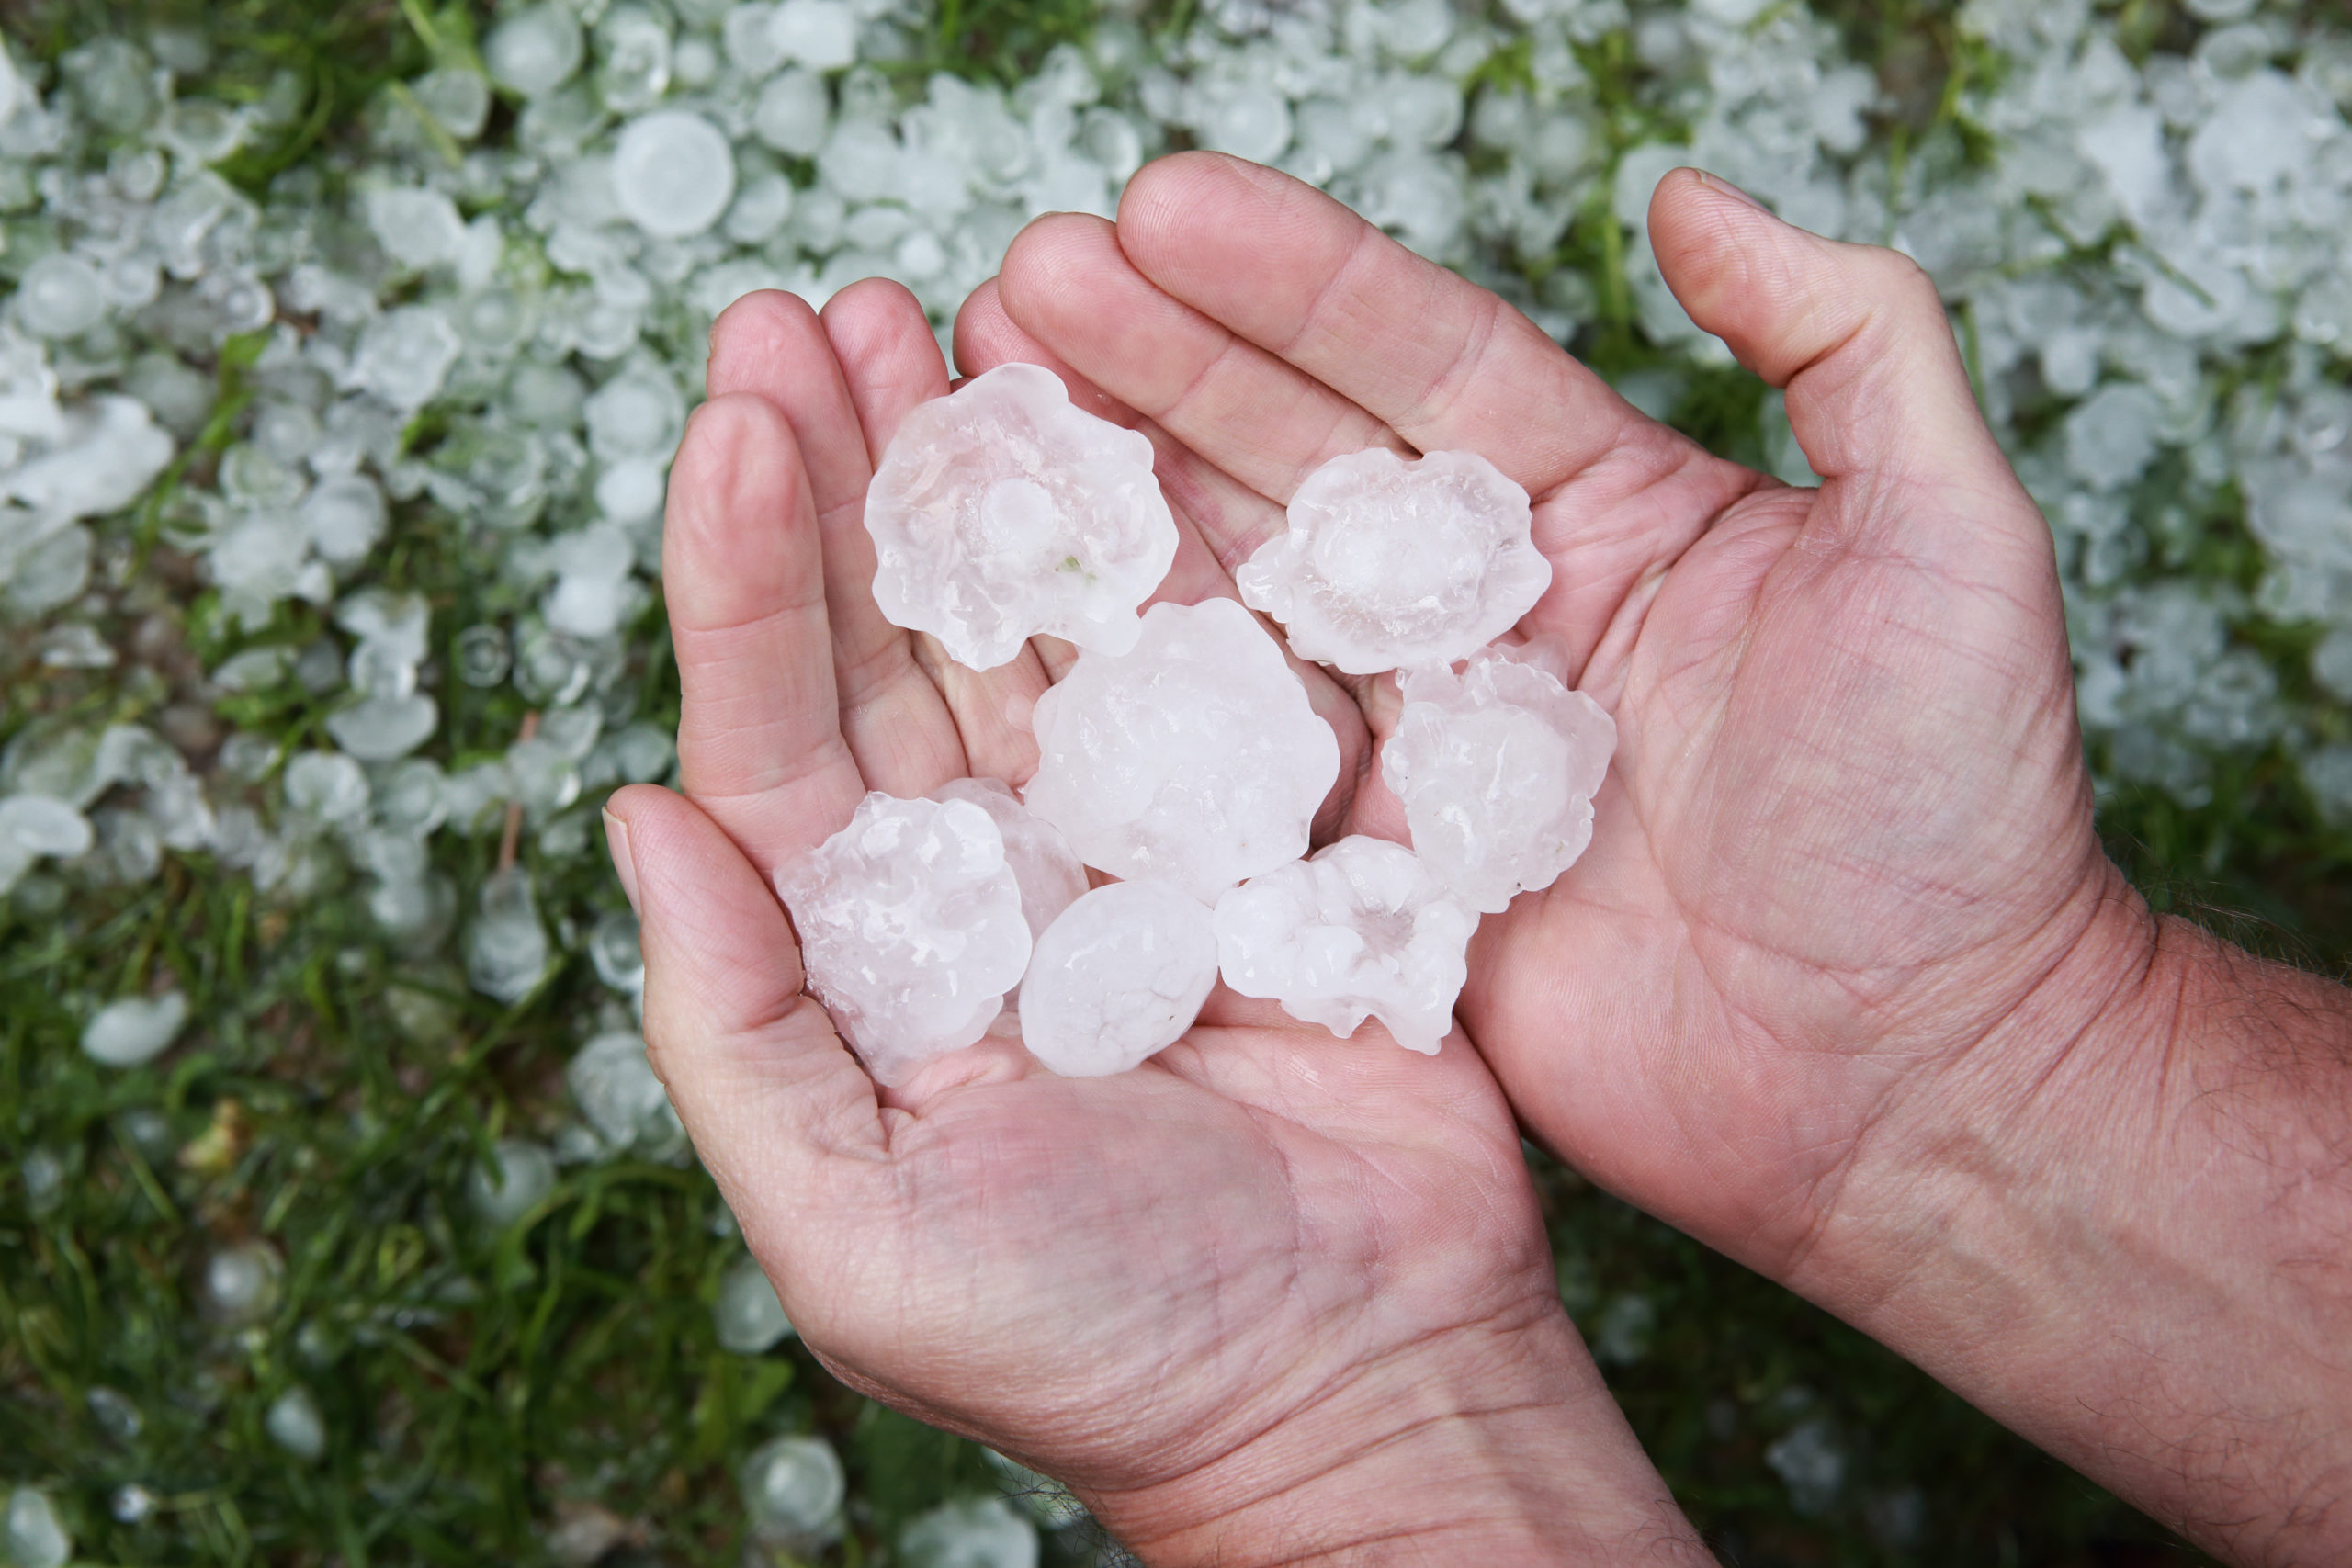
pixel 405 354
pixel 506 947
pixel 1390 564
pixel 1497 767
pixel 1120 976
pixel 1043 865
pixel 39 825
pixel 33 1535
pixel 973 1533
pixel 511 1181
pixel 134 1029
pixel 1003 511
pixel 911 929
pixel 793 1487
pixel 385 729
pixel 241 1284
pixel 1360 929
pixel 820 34
pixel 1193 759
pixel 616 1088
pixel 346 516
pixel 417 228
pixel 673 173
pixel 59 295
pixel 294 1424
pixel 747 1314
pixel 534 52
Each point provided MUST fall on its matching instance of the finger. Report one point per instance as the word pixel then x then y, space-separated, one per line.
pixel 759 740
pixel 779 1110
pixel 1855 333
pixel 770 344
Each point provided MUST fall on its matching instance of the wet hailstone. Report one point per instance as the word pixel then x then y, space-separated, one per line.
pixel 615 1087
pixel 33 827
pixel 511 1180
pixel 1390 564
pixel 615 953
pixel 1121 976
pixel 507 946
pixel 43 1172
pixel 534 52
pixel 134 1029
pixel 673 173
pixel 1360 929
pixel 131 1504
pixel 976 1532
pixel 60 296
pixel 241 1284
pixel 1193 759
pixel 419 229
pixel 793 1488
pixel 1003 510
pixel 294 1424
pixel 115 1413
pixel 747 1314
pixel 1497 767
pixel 1043 865
pixel 32 1534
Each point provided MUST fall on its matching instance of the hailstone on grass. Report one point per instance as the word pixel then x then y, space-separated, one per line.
pixel 1392 565
pixel 1362 929
pixel 1192 759
pixel 911 929
pixel 1497 767
pixel 1121 976
pixel 1003 510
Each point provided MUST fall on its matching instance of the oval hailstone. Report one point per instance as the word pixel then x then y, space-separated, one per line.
pixel 747 1314
pixel 134 1029
pixel 792 1486
pixel 1497 767
pixel 1120 976
pixel 1390 564
pixel 1360 929
pixel 1002 512
pixel 673 173
pixel 1193 759
pixel 911 929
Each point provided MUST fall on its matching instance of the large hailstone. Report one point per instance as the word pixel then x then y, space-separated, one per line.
pixel 1497 767
pixel 1392 565
pixel 911 929
pixel 1195 759
pixel 1122 975
pixel 1360 929
pixel 1043 865
pixel 1003 510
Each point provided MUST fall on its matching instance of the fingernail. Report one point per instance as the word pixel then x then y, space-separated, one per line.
pixel 1717 182
pixel 624 863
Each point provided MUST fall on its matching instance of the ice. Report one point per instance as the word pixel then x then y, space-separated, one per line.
pixel 2112 437
pixel 241 1284
pixel 635 71
pixel 107 454
pixel 617 954
pixel 818 34
pixel 294 1424
pixel 747 1314
pixel 911 929
pixel 1043 865
pixel 40 825
pixel 613 1083
pixel 673 173
pixel 1392 564
pixel 34 1536
pixel 1193 759
pixel 506 947
pixel 512 1181
pixel 1120 976
pixel 1362 927
pixel 326 786
pixel 1003 512
pixel 404 355
pixel 972 1532
pixel 115 1413
pixel 1497 767
pixel 59 297
pixel 345 517
pixel 793 1488
pixel 133 1504
pixel 419 229
pixel 534 52
pixel 134 1029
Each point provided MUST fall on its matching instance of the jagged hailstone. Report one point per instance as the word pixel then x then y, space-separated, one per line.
pixel 673 173
pixel 1362 929
pixel 1497 767
pixel 1121 976
pixel 1390 565
pixel 1193 759
pixel 1043 866
pixel 911 929
pixel 1002 512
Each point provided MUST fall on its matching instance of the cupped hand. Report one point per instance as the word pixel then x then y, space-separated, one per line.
pixel 1271 1297
pixel 1846 841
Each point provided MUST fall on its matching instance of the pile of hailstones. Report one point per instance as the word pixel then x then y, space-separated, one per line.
pixel 1180 753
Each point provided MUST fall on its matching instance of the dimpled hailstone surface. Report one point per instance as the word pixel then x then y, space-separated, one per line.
pixel 1497 767
pixel 1002 511
pixel 1362 928
pixel 1391 564
pixel 911 929
pixel 1043 865
pixel 1120 976
pixel 1193 759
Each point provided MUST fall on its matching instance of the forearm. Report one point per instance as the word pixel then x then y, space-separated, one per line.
pixel 2130 1240
pixel 1520 1460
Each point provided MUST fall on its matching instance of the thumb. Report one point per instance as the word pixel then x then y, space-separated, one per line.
pixel 1855 333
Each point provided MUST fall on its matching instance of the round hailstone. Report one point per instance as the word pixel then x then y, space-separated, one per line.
pixel 1497 767
pixel 134 1029
pixel 793 1487
pixel 39 825
pixel 1121 976
pixel 1360 929
pixel 512 1183
pixel 911 929
pixel 793 114
pixel 820 34
pixel 346 516
pixel 673 173
pixel 1047 871
pixel 1391 564
pixel 1003 510
pixel 976 1532
pixel 295 1424
pixel 240 1284
pixel 32 1534
pixel 534 52
pixel 1193 759
pixel 747 1314
pixel 419 229
pixel 59 297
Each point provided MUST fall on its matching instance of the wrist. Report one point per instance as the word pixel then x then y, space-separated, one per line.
pixel 1501 1449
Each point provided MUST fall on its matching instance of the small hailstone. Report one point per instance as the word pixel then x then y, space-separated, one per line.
pixel 1390 564
pixel 418 228
pixel 134 1029
pixel 673 173
pixel 405 354
pixel 911 929
pixel 38 825
pixel 975 1532
pixel 1496 767
pixel 506 947
pixel 820 34
pixel 1003 511
pixel 747 1314
pixel 240 1284
pixel 534 52
pixel 33 1535
pixel 59 297
pixel 511 1183
pixel 1360 929
pixel 793 1487
pixel 1193 759
pixel 614 1084
pixel 1120 976
pixel 294 1424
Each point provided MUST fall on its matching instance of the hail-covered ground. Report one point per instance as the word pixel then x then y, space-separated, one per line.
pixel 344 1214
